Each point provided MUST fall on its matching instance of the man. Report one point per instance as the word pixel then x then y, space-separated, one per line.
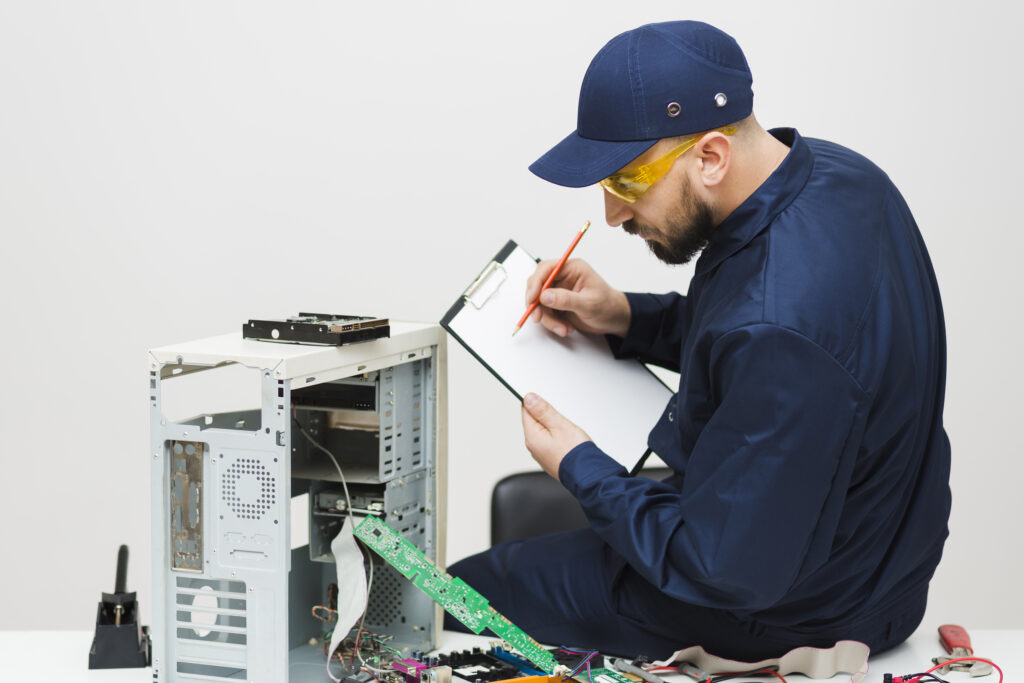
pixel 811 488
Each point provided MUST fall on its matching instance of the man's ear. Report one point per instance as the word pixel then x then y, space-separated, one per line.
pixel 714 156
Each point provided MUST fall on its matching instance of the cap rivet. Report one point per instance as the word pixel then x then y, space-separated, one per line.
pixel 673 109
pixel 721 99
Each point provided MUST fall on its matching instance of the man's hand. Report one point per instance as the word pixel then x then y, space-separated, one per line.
pixel 578 299
pixel 549 436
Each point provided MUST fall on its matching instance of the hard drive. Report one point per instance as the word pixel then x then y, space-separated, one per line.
pixel 325 329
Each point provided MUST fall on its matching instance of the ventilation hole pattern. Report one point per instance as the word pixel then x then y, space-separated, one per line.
pixel 386 599
pixel 246 470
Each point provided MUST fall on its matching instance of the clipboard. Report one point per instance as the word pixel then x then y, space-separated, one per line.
pixel 616 402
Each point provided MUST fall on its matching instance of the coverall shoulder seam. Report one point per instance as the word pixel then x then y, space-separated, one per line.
pixel 796 333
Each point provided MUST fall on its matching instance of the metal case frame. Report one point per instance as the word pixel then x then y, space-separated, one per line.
pixel 231 595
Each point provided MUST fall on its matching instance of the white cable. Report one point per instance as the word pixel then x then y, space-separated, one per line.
pixel 344 485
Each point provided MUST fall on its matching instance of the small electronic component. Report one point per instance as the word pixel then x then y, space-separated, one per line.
pixel 327 329
pixel 412 668
pixel 456 596
pixel 437 674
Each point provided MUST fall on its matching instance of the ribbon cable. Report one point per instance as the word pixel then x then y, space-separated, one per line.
pixel 846 656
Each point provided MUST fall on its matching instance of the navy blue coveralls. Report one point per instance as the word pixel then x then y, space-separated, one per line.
pixel 811 494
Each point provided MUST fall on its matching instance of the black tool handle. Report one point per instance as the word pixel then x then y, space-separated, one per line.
pixel 122 569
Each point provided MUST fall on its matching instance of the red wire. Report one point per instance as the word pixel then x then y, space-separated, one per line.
pixel 768 671
pixel 968 659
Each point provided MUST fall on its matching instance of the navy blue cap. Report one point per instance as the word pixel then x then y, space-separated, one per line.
pixel 656 81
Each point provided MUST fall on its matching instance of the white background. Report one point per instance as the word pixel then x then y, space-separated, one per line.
pixel 168 170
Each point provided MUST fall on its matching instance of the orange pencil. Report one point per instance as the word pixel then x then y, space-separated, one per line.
pixel 551 278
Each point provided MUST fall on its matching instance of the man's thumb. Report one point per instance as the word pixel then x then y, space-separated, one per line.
pixel 538 408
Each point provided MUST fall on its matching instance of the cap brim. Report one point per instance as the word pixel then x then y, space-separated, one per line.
pixel 577 161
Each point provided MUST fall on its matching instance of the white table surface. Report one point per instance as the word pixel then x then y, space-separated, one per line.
pixel 63 656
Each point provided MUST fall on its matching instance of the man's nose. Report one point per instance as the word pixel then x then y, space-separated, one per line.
pixel 616 211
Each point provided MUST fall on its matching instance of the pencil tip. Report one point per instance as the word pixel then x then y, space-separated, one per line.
pixel 516 330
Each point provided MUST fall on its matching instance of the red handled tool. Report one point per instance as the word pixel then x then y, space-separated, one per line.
pixel 958 644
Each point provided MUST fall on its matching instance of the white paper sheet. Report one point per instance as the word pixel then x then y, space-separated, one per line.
pixel 616 402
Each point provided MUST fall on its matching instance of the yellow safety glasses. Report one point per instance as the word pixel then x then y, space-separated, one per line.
pixel 630 184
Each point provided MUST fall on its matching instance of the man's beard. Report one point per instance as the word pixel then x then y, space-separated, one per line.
pixel 685 236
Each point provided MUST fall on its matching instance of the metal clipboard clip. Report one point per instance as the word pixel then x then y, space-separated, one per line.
pixel 485 285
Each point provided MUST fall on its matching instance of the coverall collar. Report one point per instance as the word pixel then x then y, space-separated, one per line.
pixel 760 208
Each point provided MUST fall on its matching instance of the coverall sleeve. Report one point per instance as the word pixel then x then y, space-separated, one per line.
pixel 657 327
pixel 763 486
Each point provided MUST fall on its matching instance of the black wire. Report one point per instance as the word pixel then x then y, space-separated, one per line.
pixel 763 671
pixel 925 676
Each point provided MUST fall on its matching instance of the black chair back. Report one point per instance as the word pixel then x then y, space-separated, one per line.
pixel 531 504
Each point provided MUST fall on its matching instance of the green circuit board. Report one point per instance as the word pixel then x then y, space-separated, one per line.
pixel 527 646
pixel 608 676
pixel 456 596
